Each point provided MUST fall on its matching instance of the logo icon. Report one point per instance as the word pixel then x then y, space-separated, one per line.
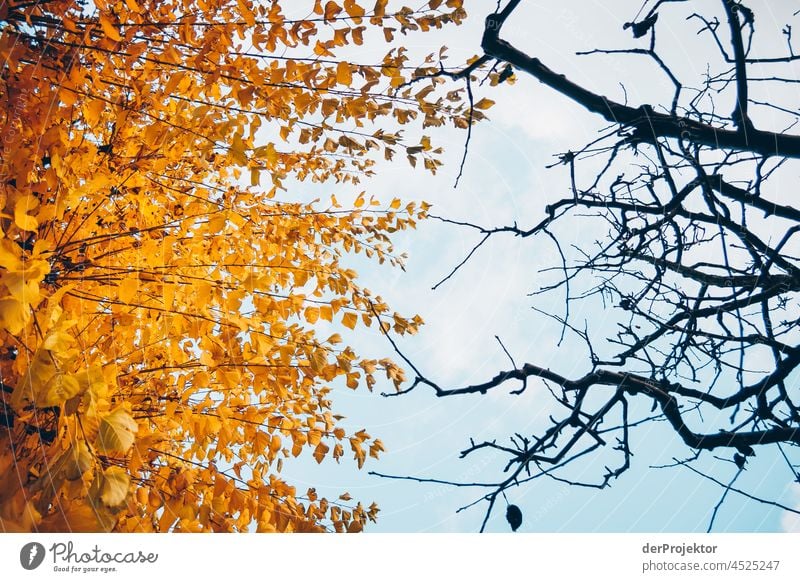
pixel 31 555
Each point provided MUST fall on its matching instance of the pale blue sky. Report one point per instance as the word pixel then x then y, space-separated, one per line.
pixel 505 180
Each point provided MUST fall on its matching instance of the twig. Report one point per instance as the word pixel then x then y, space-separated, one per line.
pixel 722 500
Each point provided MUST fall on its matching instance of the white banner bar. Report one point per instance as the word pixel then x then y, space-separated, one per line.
pixel 442 557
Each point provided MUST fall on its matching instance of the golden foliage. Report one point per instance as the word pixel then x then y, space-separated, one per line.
pixel 159 356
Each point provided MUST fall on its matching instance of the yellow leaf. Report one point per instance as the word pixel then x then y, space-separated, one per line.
pixel 484 103
pixel 320 451
pixel 127 288
pixel 326 312
pixel 349 319
pixel 23 286
pixel 78 461
pixel 268 153
pixel 354 10
pixel 21 217
pixel 13 315
pixel 92 111
pixel 68 97
pixel 238 151
pixel 59 389
pixel 92 380
pixel 247 14
pixel 117 431
pixel 312 314
pixel 26 519
pixel 375 448
pixel 344 75
pixel 35 382
pixel 108 28
pixel 10 255
pixel 314 437
pixel 319 360
pixel 78 517
pixel 114 488
pixel 58 341
pixel 152 134
pixel 380 9
pixel 331 10
pixel 168 292
pixel 275 444
pixel 261 442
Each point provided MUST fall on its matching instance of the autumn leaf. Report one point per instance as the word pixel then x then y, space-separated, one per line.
pixel 10 255
pixel 114 488
pixel 127 289
pixel 58 341
pixel 311 314
pixel 108 27
pixel 133 5
pixel 77 518
pixel 59 389
pixel 349 319
pixel 344 74
pixel 92 111
pixel 331 10
pixel 117 431
pixel 13 315
pixel 320 451
pixel 79 460
pixel 21 217
pixel 255 176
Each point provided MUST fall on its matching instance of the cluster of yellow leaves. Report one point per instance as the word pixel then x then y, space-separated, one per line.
pixel 160 352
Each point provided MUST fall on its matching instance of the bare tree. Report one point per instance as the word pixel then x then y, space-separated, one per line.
pixel 700 259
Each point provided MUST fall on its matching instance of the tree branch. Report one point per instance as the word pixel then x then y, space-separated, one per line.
pixel 648 124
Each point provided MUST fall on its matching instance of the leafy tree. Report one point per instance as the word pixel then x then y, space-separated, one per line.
pixel 699 262
pixel 162 321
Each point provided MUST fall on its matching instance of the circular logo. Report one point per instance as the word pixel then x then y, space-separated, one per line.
pixel 31 555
